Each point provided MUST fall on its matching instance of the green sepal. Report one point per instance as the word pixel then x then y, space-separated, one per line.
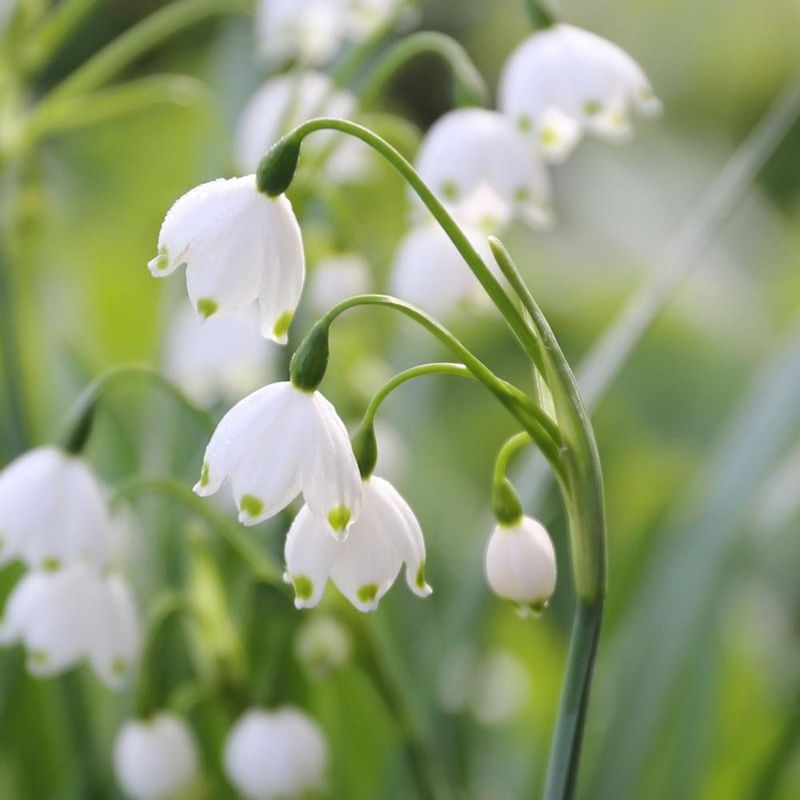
pixel 506 503
pixel 365 448
pixel 276 170
pixel 310 360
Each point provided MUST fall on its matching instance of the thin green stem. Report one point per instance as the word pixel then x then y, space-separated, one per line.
pixel 532 418
pixel 470 88
pixel 264 569
pixel 81 416
pixel 485 276
pixel 511 447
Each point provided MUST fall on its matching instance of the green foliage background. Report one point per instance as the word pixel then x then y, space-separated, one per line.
pixel 699 666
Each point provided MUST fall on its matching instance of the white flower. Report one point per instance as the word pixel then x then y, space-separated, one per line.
pixel 281 104
pixel 365 16
pixel 311 31
pixel 275 754
pixel 485 170
pixel 222 358
pixel 521 563
pixel 73 614
pixel 429 272
pixel 323 645
pixel 364 566
pixel 52 511
pixel 239 246
pixel 280 441
pixel 337 278
pixel 155 758
pixel 563 80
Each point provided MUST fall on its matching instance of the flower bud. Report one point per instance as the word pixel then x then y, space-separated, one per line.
pixel 155 758
pixel 282 753
pixel 521 564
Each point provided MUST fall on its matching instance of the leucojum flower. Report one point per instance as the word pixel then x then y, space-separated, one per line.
pixel 155 758
pixel 276 754
pixel 563 81
pixel 239 247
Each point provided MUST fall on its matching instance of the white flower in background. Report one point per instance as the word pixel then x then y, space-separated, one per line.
pixel 365 16
pixel 310 31
pixel 485 170
pixel 502 688
pixel 563 80
pixel 323 645
pixel 52 511
pixel 155 758
pixel 364 566
pixel 65 616
pixel 239 246
pixel 278 442
pixel 222 358
pixel 429 272
pixel 281 104
pixel 277 754
pixel 337 278
pixel 521 564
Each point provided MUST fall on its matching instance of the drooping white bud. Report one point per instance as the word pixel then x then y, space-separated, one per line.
pixel 73 614
pixel 239 247
pixel 222 358
pixel 53 511
pixel 521 564
pixel 563 80
pixel 482 167
pixel 363 567
pixel 155 758
pixel 278 442
pixel 277 754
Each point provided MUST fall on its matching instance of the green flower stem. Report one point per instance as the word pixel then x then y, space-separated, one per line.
pixel 264 569
pixel 507 452
pixel 532 418
pixel 469 86
pixel 586 512
pixel 79 421
pixel 270 171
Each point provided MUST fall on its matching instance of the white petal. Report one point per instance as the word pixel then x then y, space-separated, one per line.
pixel 310 551
pixel 403 529
pixel 331 480
pixel 284 275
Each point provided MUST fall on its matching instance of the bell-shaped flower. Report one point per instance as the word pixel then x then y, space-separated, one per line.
pixel 155 758
pixel 275 754
pixel 278 442
pixel 66 616
pixel 521 564
pixel 429 271
pixel 239 246
pixel 323 645
pixel 563 81
pixel 483 168
pixel 286 101
pixel 335 279
pixel 222 358
pixel 363 567
pixel 52 511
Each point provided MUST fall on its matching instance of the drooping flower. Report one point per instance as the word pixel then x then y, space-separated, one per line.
pixel 222 358
pixel 429 271
pixel 385 536
pixel 284 102
pixel 52 511
pixel 563 80
pixel 337 278
pixel 277 754
pixel 323 645
pixel 155 758
pixel 69 615
pixel 521 563
pixel 280 441
pixel 239 247
pixel 484 170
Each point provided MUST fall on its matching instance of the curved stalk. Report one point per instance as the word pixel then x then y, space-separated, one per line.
pixel 277 169
pixel 246 548
pixel 511 447
pixel 469 86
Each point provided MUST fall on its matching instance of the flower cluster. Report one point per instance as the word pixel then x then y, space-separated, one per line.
pixel 276 754
pixel 70 606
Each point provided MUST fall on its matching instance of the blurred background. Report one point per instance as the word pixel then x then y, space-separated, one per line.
pixel 698 684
